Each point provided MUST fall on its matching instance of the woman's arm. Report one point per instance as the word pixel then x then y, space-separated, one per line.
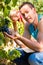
pixel 20 43
pixel 32 44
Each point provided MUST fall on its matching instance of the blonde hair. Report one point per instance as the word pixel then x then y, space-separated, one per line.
pixel 12 12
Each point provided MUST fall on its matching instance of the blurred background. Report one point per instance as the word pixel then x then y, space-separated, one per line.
pixel 5 7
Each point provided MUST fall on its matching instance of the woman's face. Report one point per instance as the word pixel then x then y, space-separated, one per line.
pixel 28 13
pixel 15 15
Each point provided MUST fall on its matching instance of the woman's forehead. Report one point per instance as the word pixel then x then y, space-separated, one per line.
pixel 13 12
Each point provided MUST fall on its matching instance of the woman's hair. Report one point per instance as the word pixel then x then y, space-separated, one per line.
pixel 28 3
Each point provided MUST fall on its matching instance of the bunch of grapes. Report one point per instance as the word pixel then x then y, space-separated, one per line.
pixel 4 29
pixel 20 28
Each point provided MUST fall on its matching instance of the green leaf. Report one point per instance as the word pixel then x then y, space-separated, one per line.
pixel 8 7
pixel 2 21
pixel 6 12
pixel 1 42
pixel 13 54
pixel 1 0
pixel 2 54
pixel 1 38
pixel 31 1
pixel 1 6
pixel 7 1
pixel 14 2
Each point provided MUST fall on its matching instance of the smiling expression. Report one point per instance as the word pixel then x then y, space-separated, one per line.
pixel 28 13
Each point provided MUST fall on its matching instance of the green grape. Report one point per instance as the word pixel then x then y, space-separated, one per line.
pixel 10 25
pixel 20 28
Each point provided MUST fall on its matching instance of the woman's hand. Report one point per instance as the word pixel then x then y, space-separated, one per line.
pixel 10 36
pixel 18 35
